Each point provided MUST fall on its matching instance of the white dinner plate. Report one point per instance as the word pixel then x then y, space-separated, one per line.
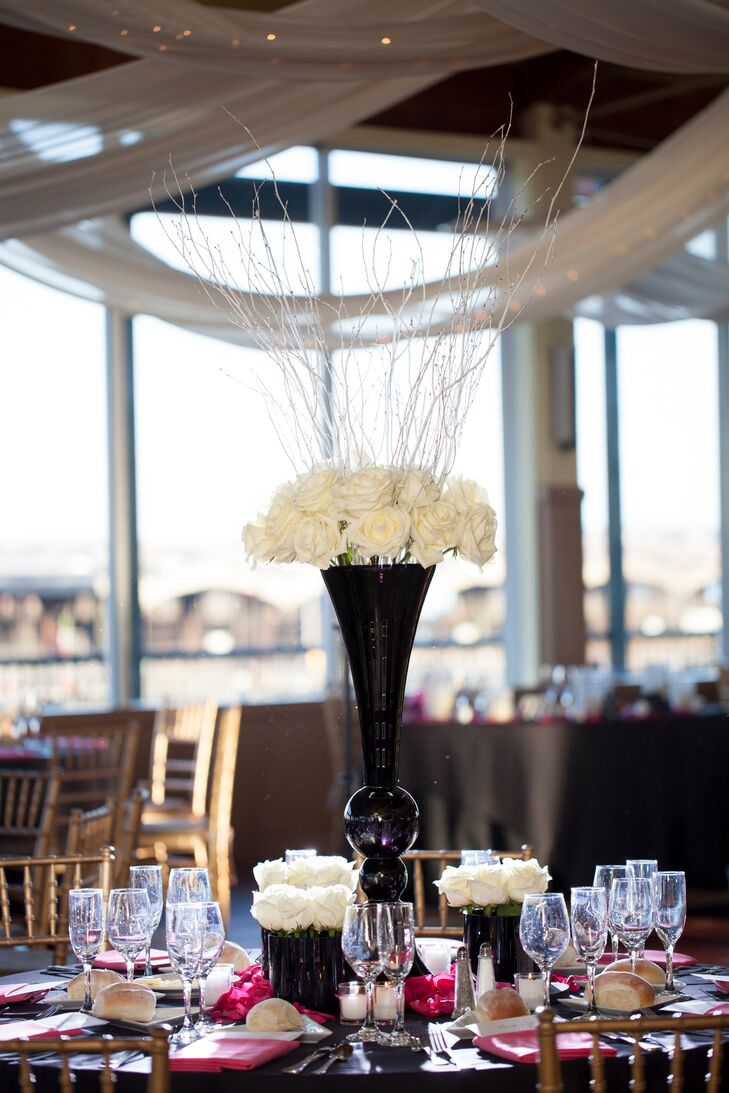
pixel 466 1027
pixel 665 998
pixel 309 1034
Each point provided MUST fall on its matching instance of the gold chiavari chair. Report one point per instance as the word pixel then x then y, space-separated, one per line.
pixel 127 846
pixel 28 804
pixel 106 1047
pixel 182 748
pixel 550 1074
pixel 442 858
pixel 40 923
pixel 89 831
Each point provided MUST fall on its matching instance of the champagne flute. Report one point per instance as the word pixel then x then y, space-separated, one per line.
pixel 86 931
pixel 185 928
pixel 213 942
pixel 149 878
pixel 589 917
pixel 631 912
pixel 362 953
pixel 189 885
pixel 669 890
pixel 605 875
pixel 644 869
pixel 396 940
pixel 127 923
pixel 544 931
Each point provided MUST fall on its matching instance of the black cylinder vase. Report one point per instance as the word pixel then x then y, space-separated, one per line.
pixel 378 607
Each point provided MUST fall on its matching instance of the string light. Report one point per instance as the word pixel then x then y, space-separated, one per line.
pixel 123 33
pixel 163 49
pixel 270 37
pixel 186 33
pixel 71 26
pixel 386 41
pixel 156 28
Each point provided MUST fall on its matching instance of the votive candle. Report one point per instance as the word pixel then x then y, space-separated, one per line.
pixel 218 982
pixel 352 1003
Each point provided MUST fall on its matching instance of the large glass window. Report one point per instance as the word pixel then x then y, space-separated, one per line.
pixel 53 558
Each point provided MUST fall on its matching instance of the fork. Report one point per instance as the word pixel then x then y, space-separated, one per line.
pixel 438 1044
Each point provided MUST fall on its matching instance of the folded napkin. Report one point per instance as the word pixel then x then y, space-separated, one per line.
pixel 658 956
pixel 719 1009
pixel 430 995
pixel 523 1047
pixel 212 1054
pixel 13 1030
pixel 115 962
pixel 253 987
pixel 575 983
pixel 24 992
pixel 722 986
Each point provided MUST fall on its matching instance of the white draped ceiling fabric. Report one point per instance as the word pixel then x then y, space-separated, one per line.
pixel 87 147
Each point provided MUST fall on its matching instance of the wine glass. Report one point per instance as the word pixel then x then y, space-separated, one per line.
pixel 86 931
pixel 149 878
pixel 396 940
pixel 127 923
pixel 189 885
pixel 213 942
pixel 631 912
pixel 361 951
pixel 589 917
pixel 544 931
pixel 605 875
pixel 185 929
pixel 645 869
pixel 669 892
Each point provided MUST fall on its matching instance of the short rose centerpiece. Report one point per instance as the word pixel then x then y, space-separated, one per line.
pixel 300 908
pixel 377 533
pixel 490 897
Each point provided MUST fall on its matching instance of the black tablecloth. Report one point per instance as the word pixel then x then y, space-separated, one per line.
pixel 579 794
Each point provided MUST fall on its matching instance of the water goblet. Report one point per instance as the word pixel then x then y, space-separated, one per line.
pixel 149 878
pixel 362 952
pixel 631 912
pixel 189 885
pixel 127 923
pixel 669 892
pixel 185 936
pixel 86 931
pixel 213 942
pixel 544 931
pixel 605 875
pixel 645 869
pixel 589 917
pixel 479 857
pixel 396 938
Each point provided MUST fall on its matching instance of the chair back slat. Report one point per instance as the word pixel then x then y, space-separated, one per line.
pixel 677 1065
pixel 130 833
pixel 182 744
pixel 715 1068
pixel 28 809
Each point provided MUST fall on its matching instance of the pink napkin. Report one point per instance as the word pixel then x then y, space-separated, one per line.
pixel 430 995
pixel 575 983
pixel 522 1047
pixel 13 1030
pixel 115 962
pixel 658 956
pixel 253 987
pixel 718 1009
pixel 722 986
pixel 21 992
pixel 213 1054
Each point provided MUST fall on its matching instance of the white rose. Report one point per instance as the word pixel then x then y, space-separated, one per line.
pixel 272 535
pixel 455 882
pixel 383 532
pixel 525 877
pixel 463 493
pixel 359 493
pixel 415 487
pixel 270 872
pixel 328 905
pixel 477 534
pixel 282 907
pixel 322 871
pixel 489 885
pixel 312 492
pixel 257 545
pixel 317 539
pixel 434 529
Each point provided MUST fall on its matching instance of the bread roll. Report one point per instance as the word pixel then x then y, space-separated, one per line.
pixel 646 969
pixel 622 991
pixel 100 977
pixel 126 1001
pixel 569 957
pixel 498 1004
pixel 274 1015
pixel 235 955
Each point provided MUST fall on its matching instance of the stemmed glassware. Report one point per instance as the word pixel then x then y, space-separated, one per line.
pixel 127 923
pixel 605 875
pixel 544 931
pixel 189 885
pixel 360 945
pixel 86 931
pixel 589 917
pixel 642 869
pixel 396 937
pixel 185 924
pixel 149 878
pixel 631 912
pixel 212 947
pixel 669 891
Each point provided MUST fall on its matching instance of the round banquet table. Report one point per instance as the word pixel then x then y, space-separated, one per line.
pixel 374 1069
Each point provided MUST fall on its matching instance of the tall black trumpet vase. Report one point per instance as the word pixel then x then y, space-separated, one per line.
pixel 378 607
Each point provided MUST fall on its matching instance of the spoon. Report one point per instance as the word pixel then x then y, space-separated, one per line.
pixel 341 1051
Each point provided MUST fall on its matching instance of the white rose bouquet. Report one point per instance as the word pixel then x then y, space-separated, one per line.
pixel 321 871
pixel 286 909
pixel 493 889
pixel 329 516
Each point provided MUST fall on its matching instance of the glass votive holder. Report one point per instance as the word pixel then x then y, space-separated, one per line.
pixel 479 857
pixel 530 987
pixel 295 855
pixel 385 1005
pixel 219 981
pixel 352 1003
